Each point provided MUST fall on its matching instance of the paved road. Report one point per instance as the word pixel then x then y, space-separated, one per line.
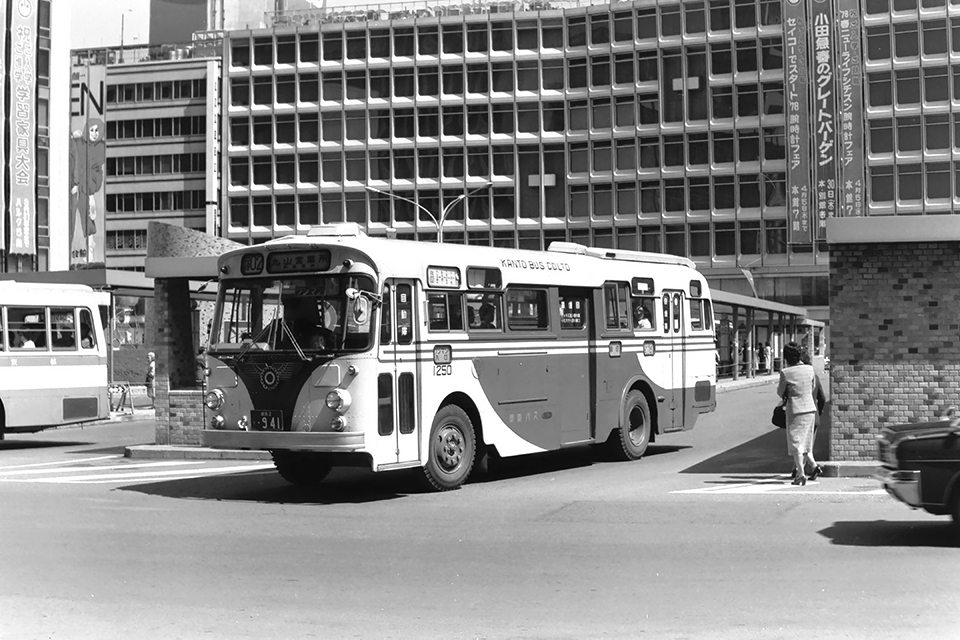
pixel 703 538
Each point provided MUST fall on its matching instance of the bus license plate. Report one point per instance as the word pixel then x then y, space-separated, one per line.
pixel 266 420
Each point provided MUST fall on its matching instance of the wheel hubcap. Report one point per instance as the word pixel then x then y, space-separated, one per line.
pixel 637 430
pixel 449 448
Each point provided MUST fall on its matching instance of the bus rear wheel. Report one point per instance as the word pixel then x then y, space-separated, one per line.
pixel 636 428
pixel 452 449
pixel 300 468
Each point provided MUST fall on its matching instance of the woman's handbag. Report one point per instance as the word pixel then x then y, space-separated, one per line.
pixel 779 418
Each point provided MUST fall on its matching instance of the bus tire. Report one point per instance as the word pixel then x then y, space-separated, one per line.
pixel 634 433
pixel 300 469
pixel 452 449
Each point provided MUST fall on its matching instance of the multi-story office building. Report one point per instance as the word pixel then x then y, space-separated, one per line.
pixel 34 100
pixel 162 143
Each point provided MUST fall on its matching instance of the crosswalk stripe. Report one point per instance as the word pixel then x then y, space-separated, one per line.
pixel 74 467
pixel 59 462
pixel 105 478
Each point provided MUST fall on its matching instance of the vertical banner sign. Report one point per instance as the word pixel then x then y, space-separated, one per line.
pixel 3 127
pixel 800 230
pixel 88 158
pixel 824 115
pixel 850 109
pixel 23 146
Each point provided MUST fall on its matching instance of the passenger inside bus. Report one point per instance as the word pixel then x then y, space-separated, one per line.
pixel 488 316
pixel 642 318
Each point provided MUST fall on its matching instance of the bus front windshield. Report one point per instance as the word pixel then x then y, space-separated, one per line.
pixel 305 315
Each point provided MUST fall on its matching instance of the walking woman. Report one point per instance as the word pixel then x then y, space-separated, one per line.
pixel 796 389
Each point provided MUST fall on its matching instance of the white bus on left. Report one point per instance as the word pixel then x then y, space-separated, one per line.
pixel 53 356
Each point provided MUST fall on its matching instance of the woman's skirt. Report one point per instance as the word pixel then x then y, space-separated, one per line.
pixel 800 432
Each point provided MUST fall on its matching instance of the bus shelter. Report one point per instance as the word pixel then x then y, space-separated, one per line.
pixel 745 326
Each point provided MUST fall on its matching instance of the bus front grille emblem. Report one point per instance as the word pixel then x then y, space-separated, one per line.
pixel 269 378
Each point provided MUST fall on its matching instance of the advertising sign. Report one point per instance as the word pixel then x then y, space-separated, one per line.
pixel 88 158
pixel 850 109
pixel 23 126
pixel 824 114
pixel 797 99
pixel 3 155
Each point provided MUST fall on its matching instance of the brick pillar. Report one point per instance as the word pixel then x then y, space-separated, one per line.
pixel 170 337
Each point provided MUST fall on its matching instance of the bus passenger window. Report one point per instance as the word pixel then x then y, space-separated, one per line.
pixel 527 309
pixel 615 305
pixel 483 311
pixel 446 312
pixel 643 314
pixel 88 340
pixel 27 327
pixel 386 325
pixel 573 309
pixel 62 332
pixel 696 315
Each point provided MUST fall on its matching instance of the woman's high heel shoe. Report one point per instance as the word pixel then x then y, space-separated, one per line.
pixel 800 481
pixel 816 473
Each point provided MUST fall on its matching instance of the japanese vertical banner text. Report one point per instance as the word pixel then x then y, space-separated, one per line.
pixel 824 114
pixel 797 99
pixel 23 119
pixel 850 109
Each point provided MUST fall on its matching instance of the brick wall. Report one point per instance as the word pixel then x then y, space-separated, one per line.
pixel 894 338
pixel 184 418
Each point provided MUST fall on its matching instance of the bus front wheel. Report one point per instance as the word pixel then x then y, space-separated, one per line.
pixel 452 449
pixel 300 469
pixel 635 430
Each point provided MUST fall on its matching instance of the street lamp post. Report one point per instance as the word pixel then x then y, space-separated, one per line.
pixel 443 214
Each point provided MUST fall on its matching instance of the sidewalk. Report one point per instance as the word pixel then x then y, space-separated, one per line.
pixel 195 452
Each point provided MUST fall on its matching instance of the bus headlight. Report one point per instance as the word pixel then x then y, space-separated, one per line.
pixel 217 422
pixel 338 400
pixel 213 399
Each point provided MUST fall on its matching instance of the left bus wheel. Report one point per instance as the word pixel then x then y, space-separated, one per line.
pixel 452 450
pixel 635 430
pixel 300 469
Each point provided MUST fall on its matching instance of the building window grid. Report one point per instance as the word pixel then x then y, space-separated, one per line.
pixel 620 107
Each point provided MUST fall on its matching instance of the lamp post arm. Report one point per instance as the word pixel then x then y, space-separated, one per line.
pixel 416 204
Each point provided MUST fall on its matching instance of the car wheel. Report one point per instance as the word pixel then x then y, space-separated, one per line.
pixel 300 469
pixel 634 433
pixel 955 513
pixel 451 450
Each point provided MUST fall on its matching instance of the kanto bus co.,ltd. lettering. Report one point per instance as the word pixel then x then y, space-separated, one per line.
pixel 534 264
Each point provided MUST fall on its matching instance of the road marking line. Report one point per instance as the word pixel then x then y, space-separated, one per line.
pixel 73 468
pixel 50 464
pixel 147 475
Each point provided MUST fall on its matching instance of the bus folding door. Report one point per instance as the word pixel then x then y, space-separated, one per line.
pixel 398 384
pixel 675 350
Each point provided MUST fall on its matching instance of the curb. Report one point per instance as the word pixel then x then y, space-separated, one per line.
pixel 843 469
pixel 192 452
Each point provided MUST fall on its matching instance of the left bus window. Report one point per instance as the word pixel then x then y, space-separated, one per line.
pixel 483 311
pixel 27 327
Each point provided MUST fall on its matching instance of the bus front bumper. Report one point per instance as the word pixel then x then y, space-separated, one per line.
pixel 285 440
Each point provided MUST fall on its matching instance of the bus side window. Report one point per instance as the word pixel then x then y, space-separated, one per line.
pixel 446 311
pixel 88 339
pixel 484 311
pixel 27 327
pixel 63 334
pixel 696 315
pixel 615 304
pixel 644 318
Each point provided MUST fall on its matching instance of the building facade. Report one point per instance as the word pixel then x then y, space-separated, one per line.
pixel 657 126
pixel 161 112
pixel 35 72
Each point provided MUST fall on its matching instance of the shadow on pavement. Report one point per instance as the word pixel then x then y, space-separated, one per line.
pixel 342 486
pixel 354 485
pixel 12 445
pixel 764 454
pixel 882 533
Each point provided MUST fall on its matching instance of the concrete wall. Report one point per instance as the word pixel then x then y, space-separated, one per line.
pixel 895 330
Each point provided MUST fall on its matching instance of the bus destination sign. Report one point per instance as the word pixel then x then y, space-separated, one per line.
pixel 297 261
pixel 251 264
pixel 443 277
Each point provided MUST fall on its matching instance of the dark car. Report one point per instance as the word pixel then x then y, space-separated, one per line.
pixel 920 465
